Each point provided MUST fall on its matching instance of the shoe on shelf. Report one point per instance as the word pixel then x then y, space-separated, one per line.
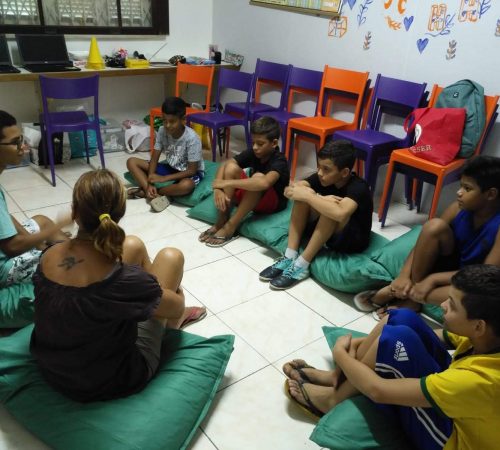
pixel 276 269
pixel 289 278
pixel 159 203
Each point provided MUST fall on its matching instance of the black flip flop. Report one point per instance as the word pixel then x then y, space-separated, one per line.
pixel 309 409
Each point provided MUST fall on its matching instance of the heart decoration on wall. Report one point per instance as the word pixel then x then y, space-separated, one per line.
pixel 351 3
pixel 421 44
pixel 408 21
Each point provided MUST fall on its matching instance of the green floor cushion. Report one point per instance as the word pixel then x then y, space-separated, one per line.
pixel 393 255
pixel 356 423
pixel 16 305
pixel 165 415
pixel 351 273
pixel 203 190
pixel 205 210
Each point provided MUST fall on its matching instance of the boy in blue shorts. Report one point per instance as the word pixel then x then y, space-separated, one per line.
pixel 405 368
pixel 20 244
pixel 468 232
pixel 183 163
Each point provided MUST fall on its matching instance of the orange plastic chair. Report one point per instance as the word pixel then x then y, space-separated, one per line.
pixel 405 162
pixel 338 86
pixel 188 74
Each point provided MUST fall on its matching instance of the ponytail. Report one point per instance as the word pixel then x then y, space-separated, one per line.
pixel 108 237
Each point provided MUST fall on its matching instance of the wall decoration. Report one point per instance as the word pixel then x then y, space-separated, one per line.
pixel 319 8
pixel 337 27
pixel 407 22
pixel 363 9
pixel 351 3
pixel 473 10
pixel 368 39
pixel 452 48
pixel 393 25
pixel 421 44
pixel 440 23
pixel 401 5
pixel 497 31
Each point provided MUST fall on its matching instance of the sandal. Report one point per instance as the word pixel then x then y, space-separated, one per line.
pixel 309 407
pixel 195 314
pixel 298 365
pixel 221 240
pixel 207 234
pixel 135 193
pixel 363 302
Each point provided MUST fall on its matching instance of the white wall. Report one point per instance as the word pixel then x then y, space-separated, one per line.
pixel 127 97
pixel 303 41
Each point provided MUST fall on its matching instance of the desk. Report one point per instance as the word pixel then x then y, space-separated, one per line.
pixel 140 102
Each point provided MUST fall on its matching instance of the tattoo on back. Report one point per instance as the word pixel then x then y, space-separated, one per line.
pixel 69 262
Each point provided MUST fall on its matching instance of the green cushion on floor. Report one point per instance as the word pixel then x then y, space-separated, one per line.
pixel 393 255
pixel 356 423
pixel 16 305
pixel 205 210
pixel 351 272
pixel 165 415
pixel 203 190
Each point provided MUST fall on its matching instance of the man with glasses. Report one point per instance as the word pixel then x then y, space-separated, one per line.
pixel 20 245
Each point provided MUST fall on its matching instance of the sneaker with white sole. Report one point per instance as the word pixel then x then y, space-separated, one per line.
pixel 289 278
pixel 158 204
pixel 279 266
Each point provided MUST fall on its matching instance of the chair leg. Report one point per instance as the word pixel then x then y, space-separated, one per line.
pixel 409 191
pixel 50 154
pixel 86 144
pixel 228 140
pixel 214 132
pixel 283 137
pixel 418 196
pixel 294 156
pixel 100 149
pixel 387 194
pixel 248 137
pixel 435 197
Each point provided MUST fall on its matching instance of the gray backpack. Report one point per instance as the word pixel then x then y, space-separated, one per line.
pixel 469 95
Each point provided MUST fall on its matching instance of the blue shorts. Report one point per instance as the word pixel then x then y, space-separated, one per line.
pixel 164 169
pixel 409 348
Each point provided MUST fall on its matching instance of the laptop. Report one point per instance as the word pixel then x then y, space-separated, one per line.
pixel 44 53
pixel 5 61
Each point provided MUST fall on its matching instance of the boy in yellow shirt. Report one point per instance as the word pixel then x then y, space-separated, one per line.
pixel 405 367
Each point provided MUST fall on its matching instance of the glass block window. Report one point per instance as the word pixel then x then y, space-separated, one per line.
pixel 85 16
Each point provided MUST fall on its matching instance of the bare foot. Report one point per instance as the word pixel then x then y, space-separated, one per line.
pixel 321 398
pixel 207 234
pixel 300 371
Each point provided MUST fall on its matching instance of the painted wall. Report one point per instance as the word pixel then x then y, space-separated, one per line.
pixel 418 40
pixel 127 97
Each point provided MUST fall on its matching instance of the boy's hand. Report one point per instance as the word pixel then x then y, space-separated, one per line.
pixel 401 287
pixel 298 192
pixel 221 200
pixel 343 344
pixel 155 178
pixel 219 184
pixel 420 291
pixel 151 191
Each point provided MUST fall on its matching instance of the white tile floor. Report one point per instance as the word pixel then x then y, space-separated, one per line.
pixel 250 410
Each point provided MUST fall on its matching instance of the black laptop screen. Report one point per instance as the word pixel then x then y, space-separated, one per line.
pixel 4 50
pixel 42 48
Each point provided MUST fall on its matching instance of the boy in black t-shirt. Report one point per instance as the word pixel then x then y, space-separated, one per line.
pixel 261 191
pixel 335 204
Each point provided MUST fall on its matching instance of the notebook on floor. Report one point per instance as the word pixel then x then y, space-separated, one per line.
pixel 5 61
pixel 44 53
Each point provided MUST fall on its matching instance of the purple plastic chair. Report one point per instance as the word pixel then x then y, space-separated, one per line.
pixel 220 121
pixel 304 81
pixel 266 72
pixel 68 121
pixel 393 97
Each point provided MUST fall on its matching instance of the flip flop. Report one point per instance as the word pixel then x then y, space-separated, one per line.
pixel 309 409
pixel 196 314
pixel 363 302
pixel 134 193
pixel 386 309
pixel 299 366
pixel 207 234
pixel 223 240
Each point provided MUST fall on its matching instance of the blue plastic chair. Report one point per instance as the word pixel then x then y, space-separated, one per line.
pixel 220 122
pixel 266 73
pixel 300 81
pixel 69 121
pixel 392 97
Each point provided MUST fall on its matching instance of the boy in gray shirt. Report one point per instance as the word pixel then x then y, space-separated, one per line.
pixel 183 163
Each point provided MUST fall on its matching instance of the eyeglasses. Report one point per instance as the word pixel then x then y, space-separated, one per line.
pixel 18 142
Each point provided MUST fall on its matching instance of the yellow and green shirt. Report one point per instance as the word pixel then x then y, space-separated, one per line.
pixel 469 393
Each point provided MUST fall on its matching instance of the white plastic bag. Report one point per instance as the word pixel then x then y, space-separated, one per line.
pixel 137 138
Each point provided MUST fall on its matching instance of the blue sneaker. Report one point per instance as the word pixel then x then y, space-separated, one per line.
pixel 289 278
pixel 276 269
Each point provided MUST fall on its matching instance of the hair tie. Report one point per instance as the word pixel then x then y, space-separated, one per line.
pixel 104 216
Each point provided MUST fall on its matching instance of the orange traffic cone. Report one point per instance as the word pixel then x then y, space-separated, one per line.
pixel 94 60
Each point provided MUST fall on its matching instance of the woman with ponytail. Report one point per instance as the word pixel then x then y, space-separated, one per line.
pixel 101 306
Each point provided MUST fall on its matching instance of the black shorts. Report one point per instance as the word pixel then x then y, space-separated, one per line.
pixel 350 240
